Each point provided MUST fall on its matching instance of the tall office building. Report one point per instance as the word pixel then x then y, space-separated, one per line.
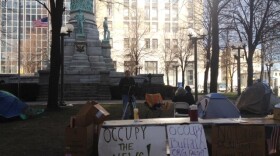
pixel 25 36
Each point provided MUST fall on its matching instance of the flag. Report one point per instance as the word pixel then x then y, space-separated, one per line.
pixel 43 22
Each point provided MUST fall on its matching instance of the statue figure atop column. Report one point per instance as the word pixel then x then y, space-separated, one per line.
pixel 106 36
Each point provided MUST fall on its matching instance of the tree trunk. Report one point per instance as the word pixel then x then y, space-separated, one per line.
pixel 56 20
pixel 215 48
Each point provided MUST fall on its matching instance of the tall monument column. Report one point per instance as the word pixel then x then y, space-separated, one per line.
pixel 85 56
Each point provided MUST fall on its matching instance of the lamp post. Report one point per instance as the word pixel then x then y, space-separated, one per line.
pixel 194 38
pixel 176 65
pixel 237 57
pixel 65 31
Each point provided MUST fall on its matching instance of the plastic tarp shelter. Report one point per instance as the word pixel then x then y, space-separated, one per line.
pixel 257 99
pixel 215 105
pixel 10 105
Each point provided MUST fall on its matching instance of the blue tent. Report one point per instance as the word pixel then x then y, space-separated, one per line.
pixel 10 105
pixel 215 105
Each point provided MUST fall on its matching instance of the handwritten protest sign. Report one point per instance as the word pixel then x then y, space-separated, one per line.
pixel 238 140
pixel 187 140
pixel 132 141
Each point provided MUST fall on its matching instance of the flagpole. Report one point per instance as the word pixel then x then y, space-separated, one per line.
pixel 19 25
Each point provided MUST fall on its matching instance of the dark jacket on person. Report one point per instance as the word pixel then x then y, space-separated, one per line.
pixel 127 86
pixel 188 97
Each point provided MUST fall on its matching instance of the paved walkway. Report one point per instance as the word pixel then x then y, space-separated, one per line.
pixel 83 102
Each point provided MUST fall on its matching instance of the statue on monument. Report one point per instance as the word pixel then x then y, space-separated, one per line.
pixel 106 30
pixel 80 21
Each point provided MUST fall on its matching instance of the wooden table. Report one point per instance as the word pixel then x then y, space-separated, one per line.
pixel 235 133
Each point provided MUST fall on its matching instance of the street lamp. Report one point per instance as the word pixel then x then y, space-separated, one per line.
pixel 176 65
pixel 269 64
pixel 64 31
pixel 238 46
pixel 194 37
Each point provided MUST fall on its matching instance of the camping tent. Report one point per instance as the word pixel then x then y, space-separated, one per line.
pixel 215 105
pixel 256 99
pixel 10 105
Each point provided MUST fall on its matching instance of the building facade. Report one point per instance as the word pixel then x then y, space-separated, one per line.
pixel 147 34
pixel 25 36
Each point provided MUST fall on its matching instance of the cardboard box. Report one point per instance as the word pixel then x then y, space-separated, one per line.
pixel 79 140
pixel 91 112
pixel 85 115
pixel 276 113
pixel 100 114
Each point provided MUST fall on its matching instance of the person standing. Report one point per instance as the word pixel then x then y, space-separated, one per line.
pixel 127 86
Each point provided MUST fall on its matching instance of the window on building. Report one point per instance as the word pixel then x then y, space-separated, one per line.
pixel 147 24
pixel 190 77
pixel 175 43
pixel 109 9
pixel 167 27
pixel 151 67
pixel 147 1
pixel 126 43
pixel 174 14
pixel 167 13
pixel 175 27
pixel 154 1
pixel 125 12
pixel 167 43
pixel 154 13
pixel 154 27
pixel 155 43
pixel 147 43
pixel 167 1
pixel 147 13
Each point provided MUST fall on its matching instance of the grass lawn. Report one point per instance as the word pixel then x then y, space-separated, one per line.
pixel 44 135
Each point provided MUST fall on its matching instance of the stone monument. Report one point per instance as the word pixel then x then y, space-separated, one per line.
pixel 87 60
pixel 86 57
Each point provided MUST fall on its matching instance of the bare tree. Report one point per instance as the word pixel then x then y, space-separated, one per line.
pixel 136 45
pixel 216 6
pixel 169 58
pixel 183 50
pixel 255 22
pixel 56 10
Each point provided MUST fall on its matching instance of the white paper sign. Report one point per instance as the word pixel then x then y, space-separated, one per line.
pixel 132 141
pixel 187 140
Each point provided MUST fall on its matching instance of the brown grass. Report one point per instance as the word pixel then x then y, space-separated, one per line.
pixel 44 134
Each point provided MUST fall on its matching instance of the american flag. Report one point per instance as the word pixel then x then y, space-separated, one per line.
pixel 43 22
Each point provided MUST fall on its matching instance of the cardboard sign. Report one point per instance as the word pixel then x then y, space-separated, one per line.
pixel 238 140
pixel 187 140
pixel 132 140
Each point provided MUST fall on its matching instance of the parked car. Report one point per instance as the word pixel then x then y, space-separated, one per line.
pixel 222 88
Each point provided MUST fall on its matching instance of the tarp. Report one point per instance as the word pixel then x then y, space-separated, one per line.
pixel 10 105
pixel 215 105
pixel 256 99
